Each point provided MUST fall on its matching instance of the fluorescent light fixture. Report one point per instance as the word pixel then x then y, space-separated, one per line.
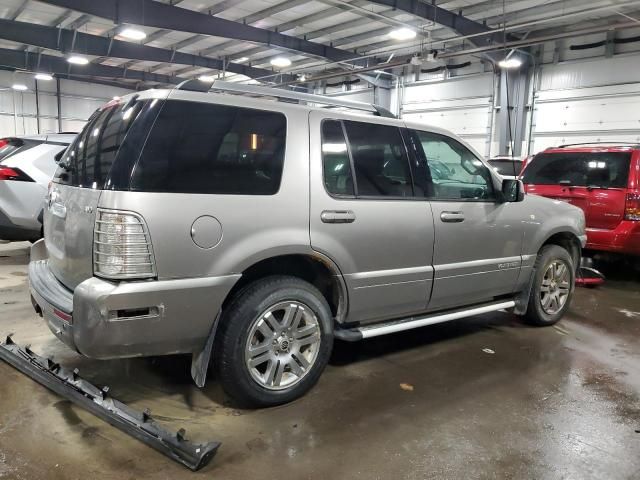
pixel 240 60
pixel 132 34
pixel 19 86
pixel 510 63
pixel 77 60
pixel 116 98
pixel 43 76
pixel 206 78
pixel 280 62
pixel 402 33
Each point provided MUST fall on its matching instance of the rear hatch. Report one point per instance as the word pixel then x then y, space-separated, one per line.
pixel 594 180
pixel 97 159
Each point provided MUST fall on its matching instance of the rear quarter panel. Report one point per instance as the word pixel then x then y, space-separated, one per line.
pixel 254 227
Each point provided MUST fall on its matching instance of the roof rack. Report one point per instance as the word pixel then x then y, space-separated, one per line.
pixel 285 94
pixel 630 144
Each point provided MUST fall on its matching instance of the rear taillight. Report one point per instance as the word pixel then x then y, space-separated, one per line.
pixel 7 173
pixel 122 246
pixel 632 207
pixel 4 142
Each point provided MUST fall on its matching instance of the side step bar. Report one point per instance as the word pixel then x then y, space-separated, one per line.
pixel 369 331
pixel 139 425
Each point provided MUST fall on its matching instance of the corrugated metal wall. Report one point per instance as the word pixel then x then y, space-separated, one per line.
pixel 588 101
pixel 78 100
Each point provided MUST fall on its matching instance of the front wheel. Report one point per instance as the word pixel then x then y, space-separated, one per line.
pixel 553 285
pixel 275 339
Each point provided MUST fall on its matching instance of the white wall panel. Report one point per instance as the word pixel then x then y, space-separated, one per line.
pixel 78 101
pixel 596 100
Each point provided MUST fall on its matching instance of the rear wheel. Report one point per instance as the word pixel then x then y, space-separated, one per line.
pixel 275 340
pixel 553 285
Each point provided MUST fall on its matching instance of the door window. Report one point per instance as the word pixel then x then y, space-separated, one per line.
pixel 605 170
pixel 379 159
pixel 335 160
pixel 455 172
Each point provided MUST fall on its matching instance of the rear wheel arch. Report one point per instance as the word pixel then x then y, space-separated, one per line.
pixel 317 269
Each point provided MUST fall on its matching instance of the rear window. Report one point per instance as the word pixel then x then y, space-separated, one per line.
pixel 88 160
pixel 11 146
pixel 602 169
pixel 217 149
pixel 506 167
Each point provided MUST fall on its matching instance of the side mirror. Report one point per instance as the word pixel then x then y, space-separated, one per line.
pixel 512 190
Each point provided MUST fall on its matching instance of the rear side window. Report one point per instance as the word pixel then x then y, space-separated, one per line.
pixel 602 169
pixel 216 149
pixel 335 159
pixel 379 159
pixel 506 167
pixel 88 161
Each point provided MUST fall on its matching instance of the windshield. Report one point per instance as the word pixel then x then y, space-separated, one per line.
pixel 601 169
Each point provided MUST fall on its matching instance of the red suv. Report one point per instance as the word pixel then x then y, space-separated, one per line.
pixel 603 180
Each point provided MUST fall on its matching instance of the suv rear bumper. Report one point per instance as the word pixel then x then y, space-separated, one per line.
pixel 102 319
pixel 625 238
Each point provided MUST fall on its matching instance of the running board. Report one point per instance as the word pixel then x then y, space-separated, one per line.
pixel 140 425
pixel 369 331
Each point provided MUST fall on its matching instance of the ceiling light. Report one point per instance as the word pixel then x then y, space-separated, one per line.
pixel 132 34
pixel 280 62
pixel 206 78
pixel 77 60
pixel 402 34
pixel 240 60
pixel 43 76
pixel 302 78
pixel 510 63
pixel 19 86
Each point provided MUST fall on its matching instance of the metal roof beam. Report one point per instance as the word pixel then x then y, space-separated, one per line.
pixel 59 66
pixel 456 22
pixel 159 15
pixel 62 40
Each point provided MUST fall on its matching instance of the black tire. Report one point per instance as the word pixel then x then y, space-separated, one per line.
pixel 536 314
pixel 236 324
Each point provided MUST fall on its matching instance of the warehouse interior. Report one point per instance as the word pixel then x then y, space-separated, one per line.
pixel 479 397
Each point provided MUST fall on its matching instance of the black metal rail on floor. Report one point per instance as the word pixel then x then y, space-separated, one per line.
pixel 140 425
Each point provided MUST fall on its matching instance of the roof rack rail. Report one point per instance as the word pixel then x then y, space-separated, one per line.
pixel 300 97
pixel 631 144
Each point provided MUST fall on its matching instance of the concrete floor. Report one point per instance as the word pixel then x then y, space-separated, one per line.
pixel 560 402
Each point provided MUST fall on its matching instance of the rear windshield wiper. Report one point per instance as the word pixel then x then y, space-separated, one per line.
pixel 593 187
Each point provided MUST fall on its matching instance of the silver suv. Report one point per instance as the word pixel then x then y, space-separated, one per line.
pixel 250 233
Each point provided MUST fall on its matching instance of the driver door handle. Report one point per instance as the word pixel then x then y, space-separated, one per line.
pixel 452 217
pixel 337 216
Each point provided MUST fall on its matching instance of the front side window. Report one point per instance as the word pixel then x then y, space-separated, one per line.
pixel 217 149
pixel 335 160
pixel 380 160
pixel 602 169
pixel 456 173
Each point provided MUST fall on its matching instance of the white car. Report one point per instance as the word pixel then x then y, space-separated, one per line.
pixel 27 165
pixel 506 166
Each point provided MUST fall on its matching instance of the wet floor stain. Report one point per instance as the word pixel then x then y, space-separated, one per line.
pixel 558 402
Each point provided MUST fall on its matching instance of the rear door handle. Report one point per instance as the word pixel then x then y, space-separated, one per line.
pixel 452 217
pixel 337 216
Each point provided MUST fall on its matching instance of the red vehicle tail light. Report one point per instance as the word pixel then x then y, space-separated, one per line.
pixel 3 142
pixel 7 173
pixel 632 207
